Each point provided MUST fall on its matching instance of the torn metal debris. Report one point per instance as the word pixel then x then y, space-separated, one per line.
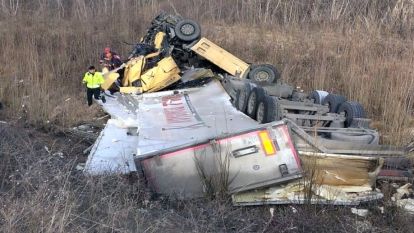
pixel 331 179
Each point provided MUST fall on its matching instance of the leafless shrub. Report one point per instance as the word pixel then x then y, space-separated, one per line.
pixel 215 180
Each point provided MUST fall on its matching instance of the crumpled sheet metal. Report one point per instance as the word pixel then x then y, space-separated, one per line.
pixel 334 179
pixel 112 153
pixel 342 170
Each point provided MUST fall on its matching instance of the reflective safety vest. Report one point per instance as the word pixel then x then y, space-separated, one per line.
pixel 93 80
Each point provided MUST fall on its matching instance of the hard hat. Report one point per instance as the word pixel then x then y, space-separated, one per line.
pixel 107 50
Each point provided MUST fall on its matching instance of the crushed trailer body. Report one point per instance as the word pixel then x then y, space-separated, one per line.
pixel 331 179
pixel 193 141
pixel 173 120
pixel 236 163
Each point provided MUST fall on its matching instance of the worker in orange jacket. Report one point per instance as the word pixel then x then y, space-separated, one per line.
pixel 110 59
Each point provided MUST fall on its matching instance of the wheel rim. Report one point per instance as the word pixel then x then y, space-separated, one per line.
pixel 242 100
pixel 187 29
pixel 262 76
pixel 251 103
pixel 260 113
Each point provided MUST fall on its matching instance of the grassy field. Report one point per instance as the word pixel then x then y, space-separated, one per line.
pixel 362 49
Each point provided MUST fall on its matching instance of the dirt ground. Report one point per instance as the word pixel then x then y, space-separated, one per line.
pixel 42 191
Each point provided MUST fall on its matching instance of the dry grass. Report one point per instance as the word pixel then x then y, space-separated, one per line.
pixel 41 191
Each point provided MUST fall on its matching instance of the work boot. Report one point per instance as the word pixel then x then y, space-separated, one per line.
pixel 103 99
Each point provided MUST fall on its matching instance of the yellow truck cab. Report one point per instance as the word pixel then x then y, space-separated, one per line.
pixel 171 40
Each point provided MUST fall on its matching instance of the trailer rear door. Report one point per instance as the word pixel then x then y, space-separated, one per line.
pixel 243 161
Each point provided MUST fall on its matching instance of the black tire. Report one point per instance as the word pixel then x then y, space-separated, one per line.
pixel 317 96
pixel 352 110
pixel 235 101
pixel 268 110
pixel 241 99
pixel 187 30
pixel 262 74
pixel 334 101
pixel 277 73
pixel 256 96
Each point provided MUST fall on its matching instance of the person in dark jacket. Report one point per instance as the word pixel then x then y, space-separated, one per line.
pixel 110 59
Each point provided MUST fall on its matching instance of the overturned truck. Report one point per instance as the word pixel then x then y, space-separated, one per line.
pixel 193 118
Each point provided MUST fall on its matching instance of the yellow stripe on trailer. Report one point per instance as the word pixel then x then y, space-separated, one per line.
pixel 267 143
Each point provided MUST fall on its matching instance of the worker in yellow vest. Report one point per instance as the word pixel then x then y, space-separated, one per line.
pixel 93 81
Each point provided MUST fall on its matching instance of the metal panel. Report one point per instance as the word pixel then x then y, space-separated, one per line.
pixel 113 151
pixel 168 122
pixel 221 58
pixel 238 163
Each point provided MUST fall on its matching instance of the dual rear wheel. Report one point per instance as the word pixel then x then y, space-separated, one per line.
pixel 253 101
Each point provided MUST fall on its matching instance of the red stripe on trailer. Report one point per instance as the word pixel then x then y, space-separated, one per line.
pixel 292 148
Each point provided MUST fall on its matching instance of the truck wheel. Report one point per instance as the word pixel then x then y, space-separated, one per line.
pixel 255 97
pixel 268 110
pixel 187 30
pixel 241 99
pixel 333 101
pixel 277 73
pixel 263 74
pixel 352 110
pixel 318 96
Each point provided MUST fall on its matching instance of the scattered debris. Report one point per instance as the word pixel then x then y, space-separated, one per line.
pixel 271 210
pixel 80 166
pixel 83 132
pixel 87 150
pixel 47 149
pixel 404 191
pixel 407 205
pixel 102 117
pixel 360 212
pixel 60 154
pixel 83 127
